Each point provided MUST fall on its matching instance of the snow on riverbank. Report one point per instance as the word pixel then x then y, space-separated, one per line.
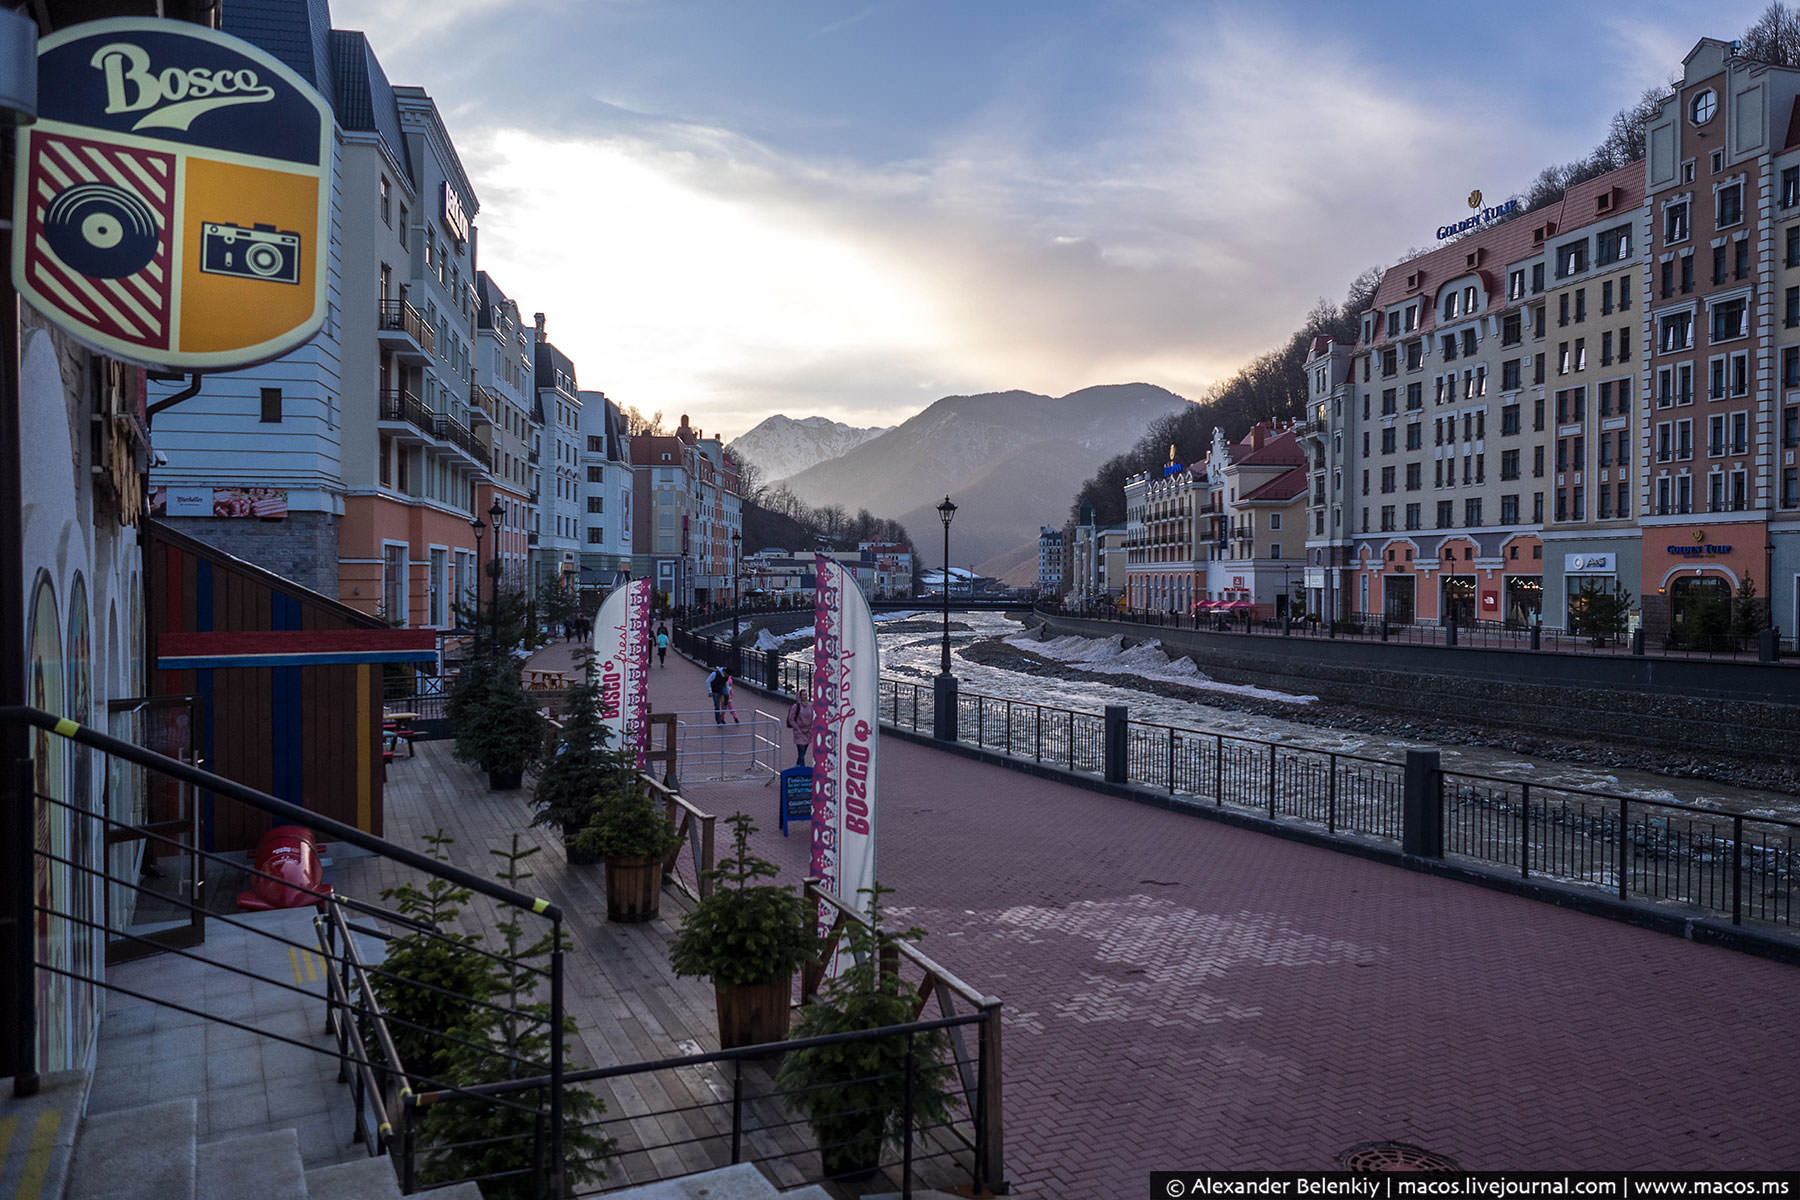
pixel 1146 660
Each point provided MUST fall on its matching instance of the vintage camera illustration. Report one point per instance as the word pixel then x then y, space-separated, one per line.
pixel 254 252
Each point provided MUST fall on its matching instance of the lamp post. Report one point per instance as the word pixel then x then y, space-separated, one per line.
pixel 480 527
pixel 1449 596
pixel 737 550
pixel 943 712
pixel 496 518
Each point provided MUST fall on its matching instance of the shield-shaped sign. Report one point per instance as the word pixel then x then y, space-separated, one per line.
pixel 173 199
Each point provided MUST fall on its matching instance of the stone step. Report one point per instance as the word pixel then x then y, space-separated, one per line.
pixel 740 1182
pixel 263 1165
pixel 37 1135
pixel 147 1151
pixel 358 1179
pixel 813 1191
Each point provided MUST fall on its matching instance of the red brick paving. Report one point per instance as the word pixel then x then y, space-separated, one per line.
pixel 1181 994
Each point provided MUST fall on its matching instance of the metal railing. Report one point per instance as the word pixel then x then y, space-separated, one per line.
pixel 1491 635
pixel 354 1017
pixel 1670 851
pixel 746 1117
pixel 1731 864
pixel 401 316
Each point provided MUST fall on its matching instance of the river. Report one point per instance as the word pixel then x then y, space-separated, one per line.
pixel 1105 673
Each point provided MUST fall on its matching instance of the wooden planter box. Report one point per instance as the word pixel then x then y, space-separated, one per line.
pixel 752 1014
pixel 633 889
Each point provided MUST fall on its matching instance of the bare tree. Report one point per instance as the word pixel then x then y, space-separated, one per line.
pixel 1774 37
pixel 637 424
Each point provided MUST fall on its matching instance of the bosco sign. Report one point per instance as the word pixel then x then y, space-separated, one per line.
pixel 173 198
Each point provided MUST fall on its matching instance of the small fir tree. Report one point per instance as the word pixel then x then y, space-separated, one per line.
pixel 1600 613
pixel 855 1092
pixel 585 771
pixel 432 980
pixel 493 1141
pixel 743 932
pixel 1746 612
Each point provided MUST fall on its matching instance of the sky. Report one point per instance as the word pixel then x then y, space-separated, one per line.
pixel 839 208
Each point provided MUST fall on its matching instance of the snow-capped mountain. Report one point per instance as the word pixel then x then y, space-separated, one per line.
pixel 1009 460
pixel 782 446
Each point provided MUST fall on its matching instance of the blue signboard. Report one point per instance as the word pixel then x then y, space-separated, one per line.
pixel 796 796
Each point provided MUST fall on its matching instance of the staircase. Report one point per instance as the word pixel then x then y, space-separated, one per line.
pixel 743 1182
pixel 153 1151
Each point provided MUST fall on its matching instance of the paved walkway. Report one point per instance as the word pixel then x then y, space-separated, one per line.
pixel 1182 994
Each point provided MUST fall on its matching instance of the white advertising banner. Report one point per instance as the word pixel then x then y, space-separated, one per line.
pixel 622 665
pixel 846 735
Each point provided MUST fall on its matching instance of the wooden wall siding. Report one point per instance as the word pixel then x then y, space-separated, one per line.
pixel 307 734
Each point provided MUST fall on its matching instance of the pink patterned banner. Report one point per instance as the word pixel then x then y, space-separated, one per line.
pixel 846 735
pixel 622 665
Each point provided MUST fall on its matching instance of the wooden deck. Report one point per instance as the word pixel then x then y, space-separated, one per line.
pixel 628 1004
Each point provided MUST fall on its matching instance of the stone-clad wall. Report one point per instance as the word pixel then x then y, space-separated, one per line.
pixel 302 547
pixel 1741 708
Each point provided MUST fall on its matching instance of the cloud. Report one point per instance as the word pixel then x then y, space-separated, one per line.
pixel 1249 167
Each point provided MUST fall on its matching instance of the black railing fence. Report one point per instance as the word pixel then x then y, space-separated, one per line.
pixel 1406 629
pixel 364 1035
pixel 1739 866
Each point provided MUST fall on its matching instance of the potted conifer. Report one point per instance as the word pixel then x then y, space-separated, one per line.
pixel 855 1093
pixel 495 722
pixel 749 939
pixel 583 770
pixel 631 831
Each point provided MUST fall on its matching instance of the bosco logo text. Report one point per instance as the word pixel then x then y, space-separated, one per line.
pixel 171 98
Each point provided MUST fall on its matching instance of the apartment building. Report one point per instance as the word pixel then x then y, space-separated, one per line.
pixel 1050 561
pixel 351 465
pixel 1710 447
pixel 505 392
pixel 255 462
pixel 606 488
pixel 1256 534
pixel 1471 405
pixel 1168 534
pixel 554 460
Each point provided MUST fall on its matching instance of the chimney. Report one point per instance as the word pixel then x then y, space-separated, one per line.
pixel 540 325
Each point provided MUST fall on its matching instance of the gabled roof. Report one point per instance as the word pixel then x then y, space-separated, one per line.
pixel 1504 244
pixel 1280 450
pixel 361 95
pixel 1282 488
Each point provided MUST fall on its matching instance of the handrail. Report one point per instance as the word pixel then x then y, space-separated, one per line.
pixel 696 829
pixel 814 892
pixel 230 788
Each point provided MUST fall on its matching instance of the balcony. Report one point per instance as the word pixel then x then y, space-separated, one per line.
pixel 399 406
pixel 449 429
pixel 402 408
pixel 484 406
pixel 400 329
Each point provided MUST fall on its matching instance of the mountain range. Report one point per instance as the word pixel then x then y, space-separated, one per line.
pixel 782 446
pixel 1010 461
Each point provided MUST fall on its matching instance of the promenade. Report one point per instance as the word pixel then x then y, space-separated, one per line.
pixel 1183 994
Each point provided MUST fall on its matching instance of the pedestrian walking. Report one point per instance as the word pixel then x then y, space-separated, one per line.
pixel 727 701
pixel 715 687
pixel 662 646
pixel 800 720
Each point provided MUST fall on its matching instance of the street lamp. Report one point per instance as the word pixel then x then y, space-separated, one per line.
pixel 943 690
pixel 496 518
pixel 480 528
pixel 946 514
pixel 1450 596
pixel 737 550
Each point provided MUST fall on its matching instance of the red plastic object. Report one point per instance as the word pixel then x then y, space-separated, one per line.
pixel 289 854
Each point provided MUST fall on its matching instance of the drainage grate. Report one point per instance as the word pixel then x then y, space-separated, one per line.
pixel 1385 1157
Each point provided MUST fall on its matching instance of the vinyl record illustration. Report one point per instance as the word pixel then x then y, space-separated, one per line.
pixel 101 230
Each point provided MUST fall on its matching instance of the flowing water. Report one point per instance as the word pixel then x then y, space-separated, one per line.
pixel 911 650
